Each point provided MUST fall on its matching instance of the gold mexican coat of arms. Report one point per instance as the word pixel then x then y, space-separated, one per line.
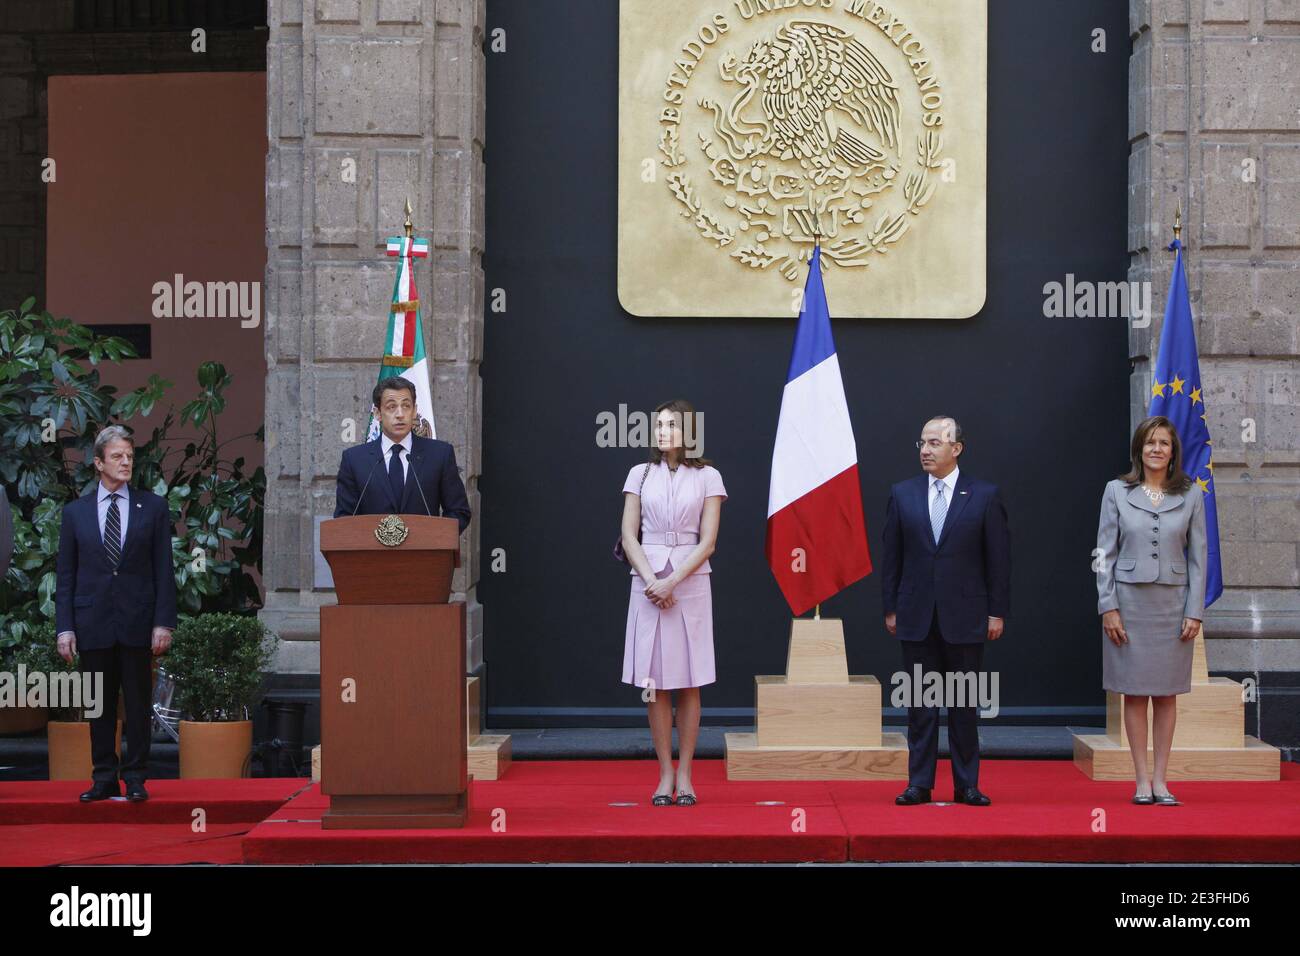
pixel 751 130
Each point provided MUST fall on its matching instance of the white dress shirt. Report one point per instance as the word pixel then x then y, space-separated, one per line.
pixel 950 486
pixel 123 509
pixel 386 446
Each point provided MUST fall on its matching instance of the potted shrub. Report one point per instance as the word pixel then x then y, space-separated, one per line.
pixel 216 661
pixel 68 732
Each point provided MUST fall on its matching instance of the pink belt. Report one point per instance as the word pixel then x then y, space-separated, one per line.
pixel 670 538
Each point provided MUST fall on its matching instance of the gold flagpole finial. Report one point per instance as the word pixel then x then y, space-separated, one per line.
pixel 410 226
pixel 1178 222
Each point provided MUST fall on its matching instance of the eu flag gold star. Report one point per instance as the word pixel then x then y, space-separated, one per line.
pixel 1196 395
pixel 1177 385
pixel 1205 485
pixel 1158 390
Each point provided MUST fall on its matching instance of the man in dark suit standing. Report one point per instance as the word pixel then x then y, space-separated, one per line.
pixel 400 473
pixel 946 577
pixel 115 603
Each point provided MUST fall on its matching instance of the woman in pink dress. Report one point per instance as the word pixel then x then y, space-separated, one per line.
pixel 675 502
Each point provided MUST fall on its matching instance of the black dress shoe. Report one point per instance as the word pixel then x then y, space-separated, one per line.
pixel 102 791
pixel 971 796
pixel 912 796
pixel 135 791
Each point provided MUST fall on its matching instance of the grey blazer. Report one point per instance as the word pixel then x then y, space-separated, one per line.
pixel 6 533
pixel 1141 543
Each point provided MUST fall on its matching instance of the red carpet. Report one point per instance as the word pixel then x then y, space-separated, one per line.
pixel 170 801
pixel 561 812
pixel 1042 811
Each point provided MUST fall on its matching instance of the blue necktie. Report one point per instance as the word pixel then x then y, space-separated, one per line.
pixel 938 511
pixel 396 480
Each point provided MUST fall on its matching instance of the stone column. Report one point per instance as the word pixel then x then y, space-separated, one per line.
pixel 1214 123
pixel 369 102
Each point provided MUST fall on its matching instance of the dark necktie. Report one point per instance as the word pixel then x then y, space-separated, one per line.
pixel 113 532
pixel 396 480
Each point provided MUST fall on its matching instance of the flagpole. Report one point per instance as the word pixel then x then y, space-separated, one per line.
pixel 817 245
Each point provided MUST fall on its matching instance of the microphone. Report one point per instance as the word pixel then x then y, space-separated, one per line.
pixel 367 484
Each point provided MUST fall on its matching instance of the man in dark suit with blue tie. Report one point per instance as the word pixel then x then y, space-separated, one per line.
pixel 115 603
pixel 400 473
pixel 946 578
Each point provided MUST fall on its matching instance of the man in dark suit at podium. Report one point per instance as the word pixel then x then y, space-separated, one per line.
pixel 946 578
pixel 400 473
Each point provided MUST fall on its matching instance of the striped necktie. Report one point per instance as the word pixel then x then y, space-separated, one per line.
pixel 113 532
pixel 938 511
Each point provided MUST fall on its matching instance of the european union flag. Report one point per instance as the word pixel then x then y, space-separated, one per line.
pixel 1176 394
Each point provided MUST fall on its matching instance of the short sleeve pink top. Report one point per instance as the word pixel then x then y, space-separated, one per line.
pixel 673 501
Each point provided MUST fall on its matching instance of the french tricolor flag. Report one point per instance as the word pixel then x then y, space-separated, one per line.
pixel 816 535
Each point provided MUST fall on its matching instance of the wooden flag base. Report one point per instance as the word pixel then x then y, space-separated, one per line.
pixel 1209 742
pixel 817 722
pixel 489 754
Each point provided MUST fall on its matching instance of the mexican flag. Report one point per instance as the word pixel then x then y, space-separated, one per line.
pixel 404 345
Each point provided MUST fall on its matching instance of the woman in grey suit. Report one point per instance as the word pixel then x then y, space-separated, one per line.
pixel 1151 593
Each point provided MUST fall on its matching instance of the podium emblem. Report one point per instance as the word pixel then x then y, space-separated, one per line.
pixel 391 531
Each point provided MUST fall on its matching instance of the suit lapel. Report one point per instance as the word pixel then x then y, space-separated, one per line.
pixel 134 523
pixel 91 507
pixel 412 461
pixel 922 499
pixel 1138 499
pixel 1168 503
pixel 960 495
pixel 377 465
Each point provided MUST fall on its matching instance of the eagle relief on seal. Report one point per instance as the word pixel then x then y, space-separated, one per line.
pixel 391 531
pixel 804 135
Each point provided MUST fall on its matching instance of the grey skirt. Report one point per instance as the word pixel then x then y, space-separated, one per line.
pixel 1154 662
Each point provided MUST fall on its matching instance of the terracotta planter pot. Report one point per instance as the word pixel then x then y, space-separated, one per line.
pixel 69 745
pixel 221 750
pixel 22 720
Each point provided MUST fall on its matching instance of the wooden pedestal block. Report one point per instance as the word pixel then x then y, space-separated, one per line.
pixel 1212 715
pixel 489 756
pixel 748 761
pixel 820 715
pixel 1102 758
pixel 1210 742
pixel 817 652
pixel 816 722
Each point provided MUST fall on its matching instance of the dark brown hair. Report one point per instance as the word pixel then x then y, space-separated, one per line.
pixel 1176 480
pixel 683 408
pixel 393 383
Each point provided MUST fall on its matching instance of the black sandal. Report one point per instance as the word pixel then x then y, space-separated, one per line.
pixel 685 799
pixel 662 800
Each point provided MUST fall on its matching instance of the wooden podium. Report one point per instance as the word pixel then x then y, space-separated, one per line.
pixel 1210 741
pixel 392 669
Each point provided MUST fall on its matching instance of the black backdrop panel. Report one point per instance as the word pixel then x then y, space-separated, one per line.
pixel 1043 402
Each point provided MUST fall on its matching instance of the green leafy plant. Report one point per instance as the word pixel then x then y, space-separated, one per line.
pixel 39 654
pixel 217 662
pixel 52 404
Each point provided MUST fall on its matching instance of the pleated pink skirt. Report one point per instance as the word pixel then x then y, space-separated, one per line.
pixel 673 648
